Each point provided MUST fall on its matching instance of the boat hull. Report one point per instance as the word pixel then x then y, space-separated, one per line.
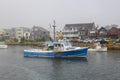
pixel 3 46
pixel 70 53
pixel 99 50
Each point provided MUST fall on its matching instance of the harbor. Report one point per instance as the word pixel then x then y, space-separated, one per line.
pixel 14 66
pixel 59 40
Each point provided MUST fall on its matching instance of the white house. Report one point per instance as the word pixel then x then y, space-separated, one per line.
pixel 78 31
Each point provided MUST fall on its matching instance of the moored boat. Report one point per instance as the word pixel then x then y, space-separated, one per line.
pixel 2 45
pixel 57 49
pixel 98 48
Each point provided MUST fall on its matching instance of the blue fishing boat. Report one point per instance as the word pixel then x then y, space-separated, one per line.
pixel 59 49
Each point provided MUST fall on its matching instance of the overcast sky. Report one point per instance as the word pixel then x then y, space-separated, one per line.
pixel 26 13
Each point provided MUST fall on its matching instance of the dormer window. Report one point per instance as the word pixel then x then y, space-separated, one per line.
pixel 83 28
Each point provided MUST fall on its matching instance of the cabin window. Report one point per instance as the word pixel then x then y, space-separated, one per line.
pixel 58 45
pixel 62 45
pixel 55 45
pixel 51 47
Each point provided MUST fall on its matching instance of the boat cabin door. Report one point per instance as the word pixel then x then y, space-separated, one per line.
pixel 58 47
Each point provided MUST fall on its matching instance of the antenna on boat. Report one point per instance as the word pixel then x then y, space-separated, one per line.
pixel 54 29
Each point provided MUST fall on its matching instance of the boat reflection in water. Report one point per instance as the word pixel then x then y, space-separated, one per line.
pixel 80 59
pixel 56 59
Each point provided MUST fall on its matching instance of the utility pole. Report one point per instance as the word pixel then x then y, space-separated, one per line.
pixel 54 30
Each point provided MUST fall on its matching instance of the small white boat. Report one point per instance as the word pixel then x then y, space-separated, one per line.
pixel 98 48
pixel 2 45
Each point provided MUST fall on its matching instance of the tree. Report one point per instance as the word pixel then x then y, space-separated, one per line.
pixel 22 40
pixel 42 39
pixel 16 40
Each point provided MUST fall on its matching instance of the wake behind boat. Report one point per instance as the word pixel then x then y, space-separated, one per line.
pixel 57 49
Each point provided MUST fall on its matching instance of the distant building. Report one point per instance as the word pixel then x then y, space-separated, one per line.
pixel 119 33
pixel 39 33
pixel 6 35
pixel 17 33
pixel 79 31
pixel 113 33
pixel 102 32
pixel 26 35
pixel 2 33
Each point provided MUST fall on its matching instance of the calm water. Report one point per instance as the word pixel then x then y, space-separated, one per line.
pixel 97 66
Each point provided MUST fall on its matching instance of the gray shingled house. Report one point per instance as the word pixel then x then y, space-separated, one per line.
pixel 39 33
pixel 102 33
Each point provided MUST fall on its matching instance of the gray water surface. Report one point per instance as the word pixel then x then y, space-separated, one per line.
pixel 97 66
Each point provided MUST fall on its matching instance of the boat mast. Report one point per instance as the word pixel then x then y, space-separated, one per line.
pixel 54 30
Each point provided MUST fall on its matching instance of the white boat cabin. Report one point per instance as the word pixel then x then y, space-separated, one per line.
pixel 59 46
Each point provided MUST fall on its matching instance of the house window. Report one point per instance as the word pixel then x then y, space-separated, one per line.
pixel 83 28
pixel 92 34
pixel 26 34
pixel 19 36
pixel 82 33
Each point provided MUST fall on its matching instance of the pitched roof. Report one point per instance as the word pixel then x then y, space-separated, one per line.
pixel 40 28
pixel 80 25
pixel 102 28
